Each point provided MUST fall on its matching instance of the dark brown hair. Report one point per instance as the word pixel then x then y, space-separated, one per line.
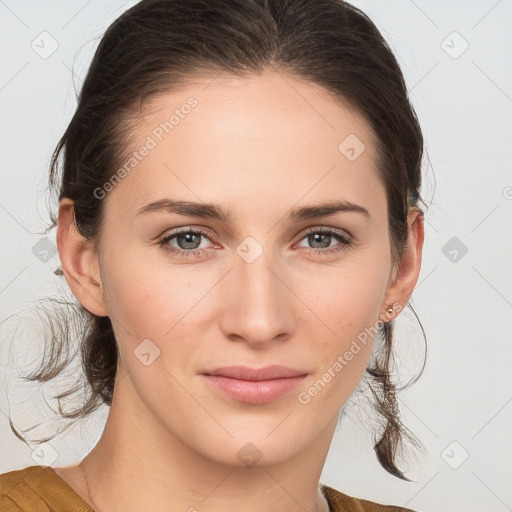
pixel 157 46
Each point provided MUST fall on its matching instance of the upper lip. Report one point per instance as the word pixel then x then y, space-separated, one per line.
pixel 255 374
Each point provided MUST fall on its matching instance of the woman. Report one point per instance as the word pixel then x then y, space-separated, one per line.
pixel 239 221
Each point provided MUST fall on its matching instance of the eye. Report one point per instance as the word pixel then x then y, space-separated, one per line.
pixel 323 237
pixel 188 242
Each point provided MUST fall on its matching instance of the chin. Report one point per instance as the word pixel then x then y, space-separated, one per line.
pixel 255 446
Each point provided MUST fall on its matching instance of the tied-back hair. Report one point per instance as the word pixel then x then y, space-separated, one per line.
pixel 157 46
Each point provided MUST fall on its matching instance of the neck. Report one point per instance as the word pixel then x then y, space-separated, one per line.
pixel 137 453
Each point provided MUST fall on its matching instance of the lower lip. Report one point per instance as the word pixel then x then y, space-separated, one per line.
pixel 254 392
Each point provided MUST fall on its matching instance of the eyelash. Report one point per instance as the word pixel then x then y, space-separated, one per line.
pixel 343 238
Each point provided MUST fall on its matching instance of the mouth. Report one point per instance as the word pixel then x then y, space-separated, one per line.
pixel 254 386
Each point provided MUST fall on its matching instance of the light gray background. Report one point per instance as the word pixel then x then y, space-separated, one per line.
pixel 464 103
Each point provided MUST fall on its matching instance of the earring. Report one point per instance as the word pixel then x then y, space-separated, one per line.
pixel 390 310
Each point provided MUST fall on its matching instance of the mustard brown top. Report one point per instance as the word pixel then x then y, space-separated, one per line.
pixel 41 489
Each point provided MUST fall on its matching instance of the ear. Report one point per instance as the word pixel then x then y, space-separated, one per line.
pixel 405 274
pixel 79 261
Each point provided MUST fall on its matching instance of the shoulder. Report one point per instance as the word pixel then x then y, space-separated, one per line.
pixel 37 488
pixel 15 488
pixel 339 502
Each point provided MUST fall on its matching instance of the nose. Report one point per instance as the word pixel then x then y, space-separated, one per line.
pixel 259 306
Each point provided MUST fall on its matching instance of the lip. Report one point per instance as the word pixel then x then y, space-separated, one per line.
pixel 254 385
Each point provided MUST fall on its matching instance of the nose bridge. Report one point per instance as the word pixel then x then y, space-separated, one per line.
pixel 258 276
pixel 259 305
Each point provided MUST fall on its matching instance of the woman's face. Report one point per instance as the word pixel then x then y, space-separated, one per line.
pixel 271 285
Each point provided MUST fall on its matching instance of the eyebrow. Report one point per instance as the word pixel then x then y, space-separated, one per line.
pixel 216 212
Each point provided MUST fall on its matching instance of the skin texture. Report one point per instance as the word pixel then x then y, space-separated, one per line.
pixel 258 146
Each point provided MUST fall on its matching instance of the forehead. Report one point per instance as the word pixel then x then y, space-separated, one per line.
pixel 238 138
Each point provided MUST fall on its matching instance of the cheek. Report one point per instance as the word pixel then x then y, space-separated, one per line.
pixel 348 308
pixel 148 295
pixel 171 305
pixel 346 301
